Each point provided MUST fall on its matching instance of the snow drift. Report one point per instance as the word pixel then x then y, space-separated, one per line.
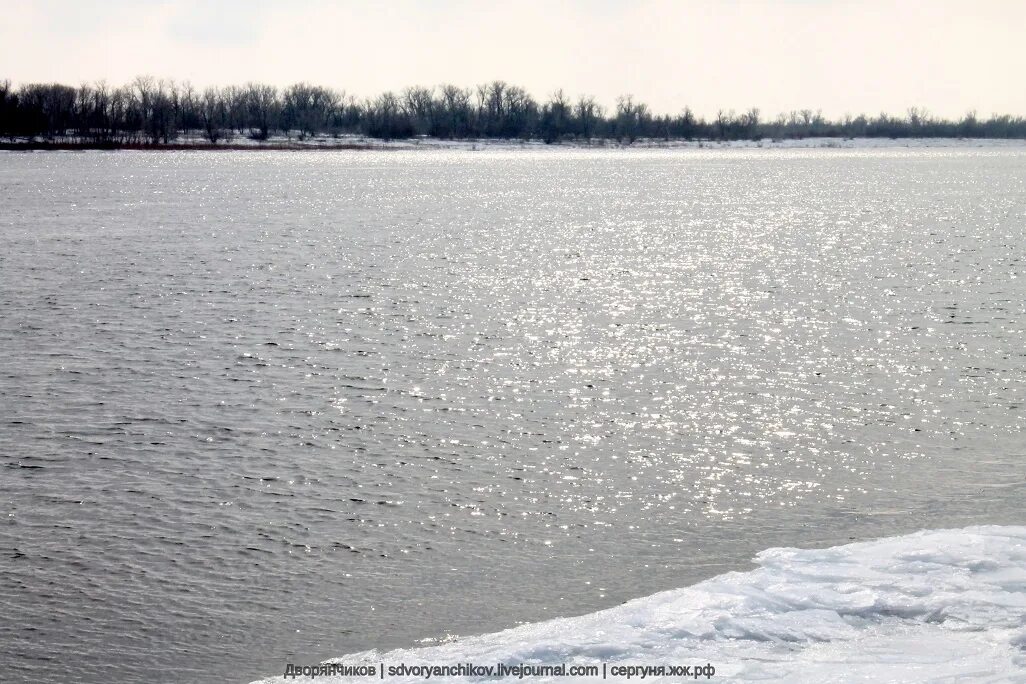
pixel 941 605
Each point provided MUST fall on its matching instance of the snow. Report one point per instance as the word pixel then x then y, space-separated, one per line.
pixel 940 605
pixel 359 142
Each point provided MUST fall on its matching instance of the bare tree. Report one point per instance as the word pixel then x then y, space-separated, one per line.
pixel 454 111
pixel 419 104
pixel 630 117
pixel 588 112
pixel 557 117
pixel 263 106
pixel 214 114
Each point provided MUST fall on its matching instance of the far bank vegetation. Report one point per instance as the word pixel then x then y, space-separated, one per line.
pixel 151 111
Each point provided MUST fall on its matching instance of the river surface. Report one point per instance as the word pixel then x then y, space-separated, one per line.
pixel 260 408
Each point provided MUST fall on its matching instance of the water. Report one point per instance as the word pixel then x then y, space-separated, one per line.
pixel 262 408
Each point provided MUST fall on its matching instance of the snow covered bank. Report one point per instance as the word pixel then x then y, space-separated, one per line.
pixel 943 605
pixel 653 143
pixel 359 142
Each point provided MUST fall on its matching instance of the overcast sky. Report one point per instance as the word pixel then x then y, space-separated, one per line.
pixel 841 56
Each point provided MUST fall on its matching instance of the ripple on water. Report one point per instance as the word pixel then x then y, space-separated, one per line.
pixel 245 427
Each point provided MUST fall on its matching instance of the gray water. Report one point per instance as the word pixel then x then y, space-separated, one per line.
pixel 269 408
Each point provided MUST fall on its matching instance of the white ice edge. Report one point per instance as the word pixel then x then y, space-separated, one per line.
pixel 937 605
pixel 484 144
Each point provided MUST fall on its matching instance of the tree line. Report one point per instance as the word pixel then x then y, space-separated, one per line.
pixel 151 111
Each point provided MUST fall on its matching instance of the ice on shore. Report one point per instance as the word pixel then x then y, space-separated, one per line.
pixel 941 605
pixel 361 142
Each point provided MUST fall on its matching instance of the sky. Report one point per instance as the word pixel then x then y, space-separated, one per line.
pixel 840 56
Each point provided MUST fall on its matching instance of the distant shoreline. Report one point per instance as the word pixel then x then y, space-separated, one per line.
pixel 360 143
pixel 44 146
